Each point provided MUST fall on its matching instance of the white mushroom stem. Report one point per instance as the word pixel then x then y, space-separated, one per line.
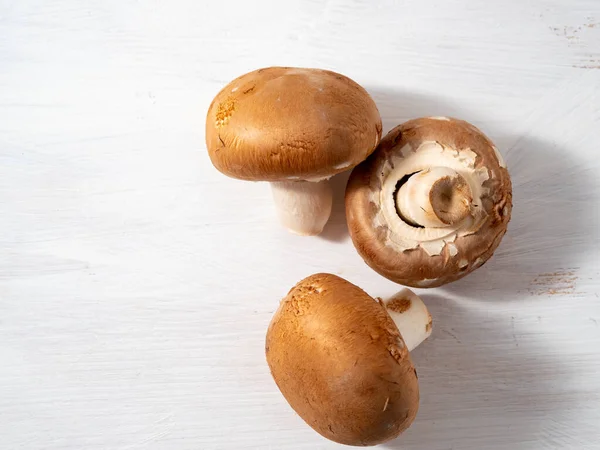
pixel 303 207
pixel 411 316
pixel 435 197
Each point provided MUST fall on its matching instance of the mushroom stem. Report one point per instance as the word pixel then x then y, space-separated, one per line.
pixel 303 207
pixel 435 197
pixel 411 316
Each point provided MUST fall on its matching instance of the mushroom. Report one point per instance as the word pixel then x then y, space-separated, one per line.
pixel 341 358
pixel 431 204
pixel 295 128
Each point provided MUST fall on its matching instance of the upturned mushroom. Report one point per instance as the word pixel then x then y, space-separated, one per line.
pixel 341 358
pixel 295 128
pixel 431 204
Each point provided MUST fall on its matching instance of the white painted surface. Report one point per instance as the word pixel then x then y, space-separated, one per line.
pixel 136 282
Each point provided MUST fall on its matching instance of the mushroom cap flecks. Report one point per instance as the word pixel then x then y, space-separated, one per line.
pixel 341 363
pixel 282 123
pixel 423 256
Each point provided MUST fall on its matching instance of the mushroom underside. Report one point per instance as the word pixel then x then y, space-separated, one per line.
pixel 425 212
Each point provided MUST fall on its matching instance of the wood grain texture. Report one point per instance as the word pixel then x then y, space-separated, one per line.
pixel 137 283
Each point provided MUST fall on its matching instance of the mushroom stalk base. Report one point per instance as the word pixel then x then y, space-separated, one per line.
pixel 411 316
pixel 303 207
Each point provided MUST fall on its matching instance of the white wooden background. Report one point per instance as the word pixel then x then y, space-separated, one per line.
pixel 137 282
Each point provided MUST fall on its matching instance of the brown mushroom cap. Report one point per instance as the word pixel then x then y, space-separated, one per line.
pixel 449 257
pixel 341 363
pixel 283 123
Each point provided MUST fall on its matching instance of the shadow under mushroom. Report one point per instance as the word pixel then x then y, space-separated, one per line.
pixel 485 385
pixel 336 229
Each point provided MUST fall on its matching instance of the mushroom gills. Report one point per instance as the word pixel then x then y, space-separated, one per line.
pixel 411 316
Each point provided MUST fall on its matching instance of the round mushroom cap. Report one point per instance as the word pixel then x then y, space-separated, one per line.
pixel 421 256
pixel 284 123
pixel 341 363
